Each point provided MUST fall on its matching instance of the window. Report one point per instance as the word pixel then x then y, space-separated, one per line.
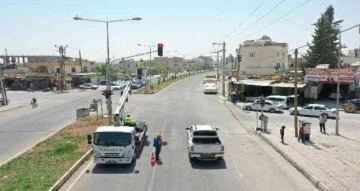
pixel 58 70
pixel 283 65
pixel 278 53
pixel 252 54
pixel 85 69
pixel 318 108
pixel 128 66
pixel 308 107
pixel 73 70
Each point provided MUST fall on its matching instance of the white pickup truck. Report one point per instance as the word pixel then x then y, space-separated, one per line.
pixel 204 143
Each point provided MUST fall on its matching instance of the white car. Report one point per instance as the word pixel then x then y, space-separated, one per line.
pixel 314 110
pixel 333 95
pixel 210 88
pixel 204 143
pixel 268 106
pixel 88 86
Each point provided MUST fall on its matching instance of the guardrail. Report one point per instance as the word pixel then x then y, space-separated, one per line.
pixel 120 109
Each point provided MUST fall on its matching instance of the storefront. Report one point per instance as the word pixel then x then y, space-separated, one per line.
pixel 324 82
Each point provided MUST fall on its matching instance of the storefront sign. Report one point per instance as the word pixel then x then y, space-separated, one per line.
pixel 329 75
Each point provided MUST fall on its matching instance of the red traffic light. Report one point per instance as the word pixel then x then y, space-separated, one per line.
pixel 160 45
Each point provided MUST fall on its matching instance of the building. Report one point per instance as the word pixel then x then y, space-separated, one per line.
pixel 172 63
pixel 126 66
pixel 263 57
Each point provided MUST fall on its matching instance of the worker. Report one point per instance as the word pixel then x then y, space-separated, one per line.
pixel 157 144
pixel 128 120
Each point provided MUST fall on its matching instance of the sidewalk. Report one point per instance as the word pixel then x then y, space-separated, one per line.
pixel 11 106
pixel 329 168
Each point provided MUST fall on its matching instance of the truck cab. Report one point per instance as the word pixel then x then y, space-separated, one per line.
pixel 113 145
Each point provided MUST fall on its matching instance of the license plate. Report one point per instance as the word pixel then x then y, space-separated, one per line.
pixel 111 162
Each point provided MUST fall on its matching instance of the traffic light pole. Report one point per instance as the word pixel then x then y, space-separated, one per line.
pixel 108 101
pixel 223 70
pixel 296 96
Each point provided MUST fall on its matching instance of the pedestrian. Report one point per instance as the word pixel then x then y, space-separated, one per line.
pixel 302 133
pixel 322 121
pixel 282 132
pixel 157 144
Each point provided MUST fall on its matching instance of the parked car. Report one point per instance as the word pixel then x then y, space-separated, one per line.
pixel 333 95
pixel 314 110
pixel 268 106
pixel 278 99
pixel 2 101
pixel 88 86
pixel 117 86
pixel 137 84
pixel 210 88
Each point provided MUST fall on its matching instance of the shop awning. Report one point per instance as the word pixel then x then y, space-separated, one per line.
pixel 287 85
pixel 255 82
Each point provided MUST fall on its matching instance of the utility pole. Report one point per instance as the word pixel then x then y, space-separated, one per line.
pixel 80 60
pixel 62 52
pixel 338 89
pixel 223 70
pixel 217 66
pixel 6 57
pixel 296 96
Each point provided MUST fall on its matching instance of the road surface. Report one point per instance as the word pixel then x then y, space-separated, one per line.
pixel 249 163
pixel 23 127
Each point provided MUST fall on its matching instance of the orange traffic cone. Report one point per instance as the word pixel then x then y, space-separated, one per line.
pixel 152 160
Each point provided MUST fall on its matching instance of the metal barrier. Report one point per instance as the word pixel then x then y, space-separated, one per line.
pixel 120 109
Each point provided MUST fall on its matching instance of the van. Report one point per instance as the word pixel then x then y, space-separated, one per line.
pixel 278 99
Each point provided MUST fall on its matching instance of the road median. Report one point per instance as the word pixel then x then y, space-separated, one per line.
pixel 49 161
pixel 154 88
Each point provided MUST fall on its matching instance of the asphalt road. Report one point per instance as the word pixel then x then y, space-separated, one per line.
pixel 249 163
pixel 23 127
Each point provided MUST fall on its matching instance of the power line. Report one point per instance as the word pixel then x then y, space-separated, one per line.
pixel 244 20
pixel 286 14
pixel 261 18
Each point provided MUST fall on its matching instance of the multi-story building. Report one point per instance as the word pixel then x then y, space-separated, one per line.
pixel 127 66
pixel 263 57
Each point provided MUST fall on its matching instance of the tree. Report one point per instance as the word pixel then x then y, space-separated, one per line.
pixel 265 37
pixel 325 45
pixel 100 70
pixel 160 69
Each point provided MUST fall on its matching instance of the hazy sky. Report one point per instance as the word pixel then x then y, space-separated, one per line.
pixel 188 26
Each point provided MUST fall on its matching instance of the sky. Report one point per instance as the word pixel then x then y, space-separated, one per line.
pixel 187 28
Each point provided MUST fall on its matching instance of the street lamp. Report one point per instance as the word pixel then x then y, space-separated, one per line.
pixel 77 18
pixel 147 70
pixel 222 67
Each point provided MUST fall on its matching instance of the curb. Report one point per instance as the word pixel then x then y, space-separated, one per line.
pixel 28 148
pixel 6 110
pixel 300 168
pixel 70 172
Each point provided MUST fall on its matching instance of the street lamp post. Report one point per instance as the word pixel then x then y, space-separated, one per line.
pixel 107 75
pixel 147 68
pixel 222 67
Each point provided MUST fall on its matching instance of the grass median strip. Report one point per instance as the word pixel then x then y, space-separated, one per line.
pixel 40 167
pixel 158 87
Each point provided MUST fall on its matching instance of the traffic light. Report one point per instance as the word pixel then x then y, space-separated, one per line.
pixel 107 93
pixel 160 49
pixel 239 58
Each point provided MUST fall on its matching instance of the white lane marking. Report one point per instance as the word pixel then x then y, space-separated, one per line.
pixel 154 168
pixel 237 169
pixel 79 176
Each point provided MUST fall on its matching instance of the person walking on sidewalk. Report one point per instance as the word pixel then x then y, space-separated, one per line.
pixel 302 133
pixel 322 121
pixel 282 132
